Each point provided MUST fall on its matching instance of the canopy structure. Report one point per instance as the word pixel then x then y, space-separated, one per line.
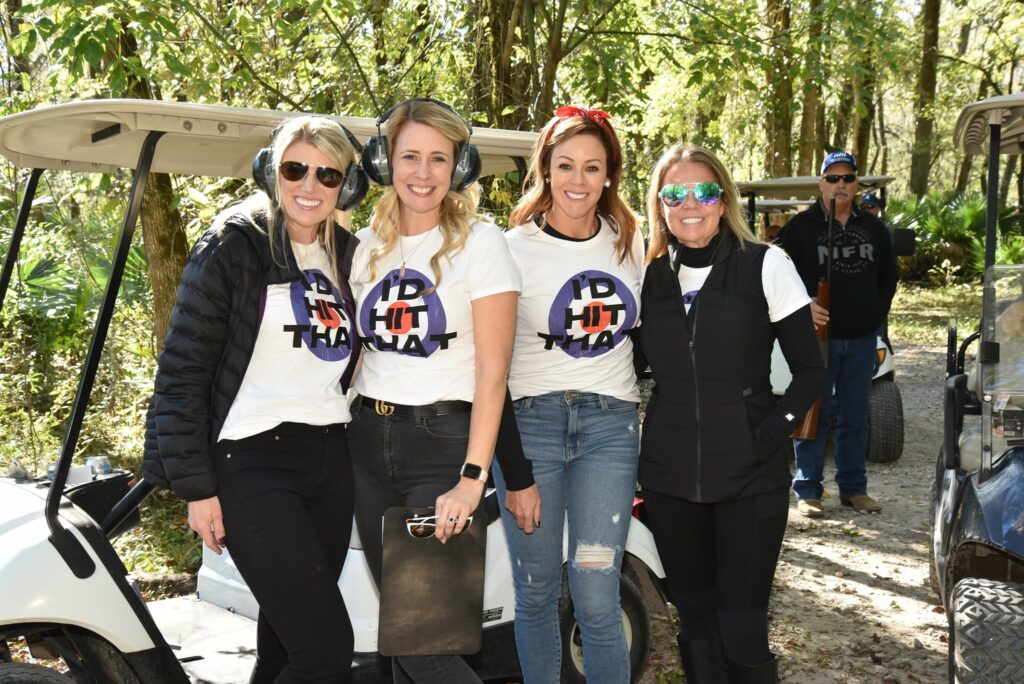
pixel 101 136
pixel 971 135
pixel 800 186
pixel 777 206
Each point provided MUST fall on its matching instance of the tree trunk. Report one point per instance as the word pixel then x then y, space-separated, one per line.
pixel 778 113
pixel 864 115
pixel 963 173
pixel 20 63
pixel 924 103
pixel 163 231
pixel 811 96
pixel 552 57
pixel 1007 178
pixel 841 135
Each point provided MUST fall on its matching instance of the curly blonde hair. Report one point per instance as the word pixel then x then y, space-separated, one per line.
pixel 458 208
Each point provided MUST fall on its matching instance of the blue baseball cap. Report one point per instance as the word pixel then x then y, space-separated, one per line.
pixel 838 157
pixel 872 199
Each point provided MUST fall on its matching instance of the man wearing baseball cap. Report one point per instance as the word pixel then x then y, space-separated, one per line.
pixel 862 283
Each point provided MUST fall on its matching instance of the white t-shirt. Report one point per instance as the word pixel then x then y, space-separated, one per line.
pixel 783 288
pixel 302 349
pixel 577 305
pixel 419 348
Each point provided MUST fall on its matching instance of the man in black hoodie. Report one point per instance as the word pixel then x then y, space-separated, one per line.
pixel 863 280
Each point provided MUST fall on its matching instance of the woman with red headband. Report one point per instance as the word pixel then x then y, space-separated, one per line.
pixel 580 256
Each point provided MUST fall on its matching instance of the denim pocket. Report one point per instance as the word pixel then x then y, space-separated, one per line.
pixel 450 428
pixel 616 405
pixel 522 405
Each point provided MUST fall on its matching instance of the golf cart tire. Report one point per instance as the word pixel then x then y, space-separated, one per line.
pixel 988 631
pixel 933 507
pixel 885 423
pixel 636 621
pixel 27 673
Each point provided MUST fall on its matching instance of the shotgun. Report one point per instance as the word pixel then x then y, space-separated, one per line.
pixel 808 428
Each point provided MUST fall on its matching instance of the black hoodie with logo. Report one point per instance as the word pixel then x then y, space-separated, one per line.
pixel 864 272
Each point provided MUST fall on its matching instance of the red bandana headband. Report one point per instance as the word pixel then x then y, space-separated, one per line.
pixel 596 115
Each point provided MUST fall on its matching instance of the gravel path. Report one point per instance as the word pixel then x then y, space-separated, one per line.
pixel 851 601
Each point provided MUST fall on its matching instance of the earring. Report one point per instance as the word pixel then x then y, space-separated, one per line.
pixel 547 179
pixel 607 182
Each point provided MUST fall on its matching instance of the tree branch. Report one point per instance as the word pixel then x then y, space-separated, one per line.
pixel 984 72
pixel 223 41
pixel 355 60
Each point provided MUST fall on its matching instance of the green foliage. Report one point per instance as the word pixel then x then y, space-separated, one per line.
pixel 951 235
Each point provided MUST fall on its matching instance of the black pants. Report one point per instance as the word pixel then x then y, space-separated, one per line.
pixel 286 496
pixel 401 460
pixel 720 561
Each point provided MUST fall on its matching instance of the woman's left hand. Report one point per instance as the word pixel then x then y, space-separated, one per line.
pixel 454 507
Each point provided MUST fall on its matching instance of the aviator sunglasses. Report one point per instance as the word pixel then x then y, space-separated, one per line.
pixel 295 171
pixel 833 178
pixel 707 193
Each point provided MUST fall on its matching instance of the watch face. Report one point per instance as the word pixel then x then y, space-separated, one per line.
pixel 472 471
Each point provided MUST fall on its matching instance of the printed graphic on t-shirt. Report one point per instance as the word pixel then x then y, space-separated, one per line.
pixel 320 318
pixel 398 316
pixel 852 249
pixel 590 315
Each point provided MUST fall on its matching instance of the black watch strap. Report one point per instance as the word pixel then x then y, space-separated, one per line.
pixel 473 472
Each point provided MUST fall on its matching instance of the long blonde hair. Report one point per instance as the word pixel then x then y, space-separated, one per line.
pixel 458 208
pixel 327 137
pixel 732 216
pixel 537 198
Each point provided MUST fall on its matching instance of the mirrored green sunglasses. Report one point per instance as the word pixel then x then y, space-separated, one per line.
pixel 706 193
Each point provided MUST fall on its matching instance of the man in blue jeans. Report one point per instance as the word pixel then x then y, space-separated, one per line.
pixel 863 280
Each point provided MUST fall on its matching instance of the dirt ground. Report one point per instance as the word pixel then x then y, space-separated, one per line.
pixel 851 601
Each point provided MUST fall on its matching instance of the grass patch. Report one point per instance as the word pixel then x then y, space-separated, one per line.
pixel 921 315
pixel 163 542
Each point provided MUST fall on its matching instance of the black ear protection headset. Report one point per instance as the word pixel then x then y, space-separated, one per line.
pixel 378 166
pixel 353 190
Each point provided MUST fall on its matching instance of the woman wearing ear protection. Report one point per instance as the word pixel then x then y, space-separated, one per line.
pixel 247 421
pixel 575 394
pixel 436 292
pixel 713 462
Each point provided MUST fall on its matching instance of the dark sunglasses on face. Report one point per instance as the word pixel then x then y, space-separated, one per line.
pixel 706 193
pixel 834 178
pixel 295 171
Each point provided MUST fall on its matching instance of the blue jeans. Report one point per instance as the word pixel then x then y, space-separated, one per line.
pixel 851 364
pixel 584 449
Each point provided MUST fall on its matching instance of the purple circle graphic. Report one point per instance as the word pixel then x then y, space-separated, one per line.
pixel 591 314
pixel 321 316
pixel 396 315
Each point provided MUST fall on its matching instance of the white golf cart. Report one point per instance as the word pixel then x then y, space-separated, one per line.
pixel 780 195
pixel 63 589
pixel 977 542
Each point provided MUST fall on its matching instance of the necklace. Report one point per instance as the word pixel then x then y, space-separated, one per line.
pixel 401 251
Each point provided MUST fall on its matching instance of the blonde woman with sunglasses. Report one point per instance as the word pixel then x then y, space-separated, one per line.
pixel 713 465
pixel 247 422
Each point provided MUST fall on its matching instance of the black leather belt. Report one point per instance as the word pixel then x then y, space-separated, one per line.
pixel 438 408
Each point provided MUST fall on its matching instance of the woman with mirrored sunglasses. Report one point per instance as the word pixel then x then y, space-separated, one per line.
pixel 713 463
pixel 436 291
pixel 247 421
pixel 575 394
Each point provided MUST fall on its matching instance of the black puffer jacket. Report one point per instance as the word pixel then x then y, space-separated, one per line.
pixel 209 342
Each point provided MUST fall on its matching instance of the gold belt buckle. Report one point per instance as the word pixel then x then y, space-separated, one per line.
pixel 383 408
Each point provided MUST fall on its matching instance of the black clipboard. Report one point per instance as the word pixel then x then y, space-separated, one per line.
pixel 431 594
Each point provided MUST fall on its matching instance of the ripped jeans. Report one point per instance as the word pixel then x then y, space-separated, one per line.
pixel 584 450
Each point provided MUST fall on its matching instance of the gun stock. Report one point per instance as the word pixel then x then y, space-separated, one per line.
pixel 808 428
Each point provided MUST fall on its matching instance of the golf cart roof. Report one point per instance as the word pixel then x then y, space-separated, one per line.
pixel 102 136
pixel 778 206
pixel 800 186
pixel 971 132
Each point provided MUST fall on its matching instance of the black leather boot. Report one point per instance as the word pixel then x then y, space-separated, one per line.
pixel 703 661
pixel 763 673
